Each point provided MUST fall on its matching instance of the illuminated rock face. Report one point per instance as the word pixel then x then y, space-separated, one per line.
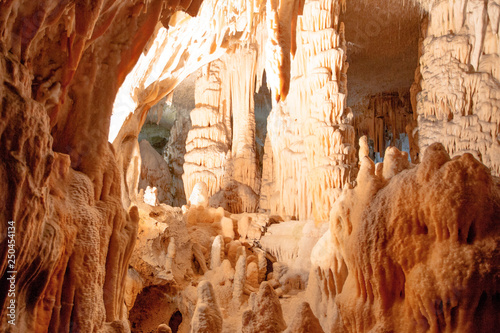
pixel 209 141
pixel 312 153
pixel 459 104
pixel 408 249
pixel 411 249
pixel 61 64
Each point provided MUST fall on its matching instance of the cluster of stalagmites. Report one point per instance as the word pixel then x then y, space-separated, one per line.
pixel 219 253
pixel 427 258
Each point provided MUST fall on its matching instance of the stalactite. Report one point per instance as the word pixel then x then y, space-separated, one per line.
pixel 386 118
pixel 460 97
pixel 311 135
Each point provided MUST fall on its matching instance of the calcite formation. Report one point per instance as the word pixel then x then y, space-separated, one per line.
pixel 269 235
pixel 388 121
pixel 265 313
pixel 459 73
pixel 310 133
pixel 429 260
pixel 208 142
pixel 304 321
pixel 207 317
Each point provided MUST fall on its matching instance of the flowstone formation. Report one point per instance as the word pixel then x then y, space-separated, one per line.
pixel 428 259
pixel 61 64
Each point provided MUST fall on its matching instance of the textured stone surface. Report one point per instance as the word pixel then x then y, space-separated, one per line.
pixel 459 102
pixel 409 248
pixel 60 72
pixel 428 260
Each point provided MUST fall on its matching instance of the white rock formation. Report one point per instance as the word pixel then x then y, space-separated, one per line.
pixel 217 252
pixel 310 133
pixel 155 173
pixel 459 102
pixel 199 195
pixel 151 196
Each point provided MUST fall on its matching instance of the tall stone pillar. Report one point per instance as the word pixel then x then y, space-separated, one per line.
pixel 311 132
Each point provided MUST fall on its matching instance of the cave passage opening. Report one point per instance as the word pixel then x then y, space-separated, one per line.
pixel 383 56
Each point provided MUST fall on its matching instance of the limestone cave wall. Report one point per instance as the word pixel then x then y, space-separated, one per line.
pixel 61 66
pixel 408 247
pixel 458 83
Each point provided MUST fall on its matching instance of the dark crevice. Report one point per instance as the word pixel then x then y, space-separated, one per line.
pixel 175 321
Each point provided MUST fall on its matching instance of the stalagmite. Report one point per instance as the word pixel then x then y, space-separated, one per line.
pixel 151 196
pixel 217 252
pixel 163 329
pixel 207 317
pixel 264 313
pixel 199 195
pixel 240 276
pixel 364 150
pixel 304 321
